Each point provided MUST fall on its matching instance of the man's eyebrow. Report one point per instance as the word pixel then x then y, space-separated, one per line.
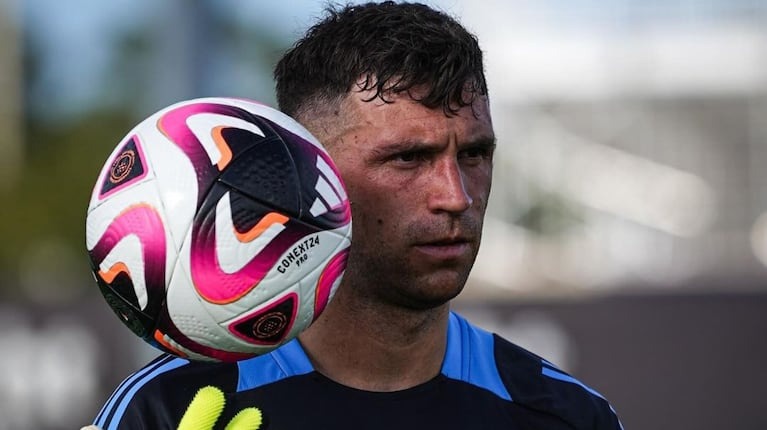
pixel 482 141
pixel 419 145
pixel 404 146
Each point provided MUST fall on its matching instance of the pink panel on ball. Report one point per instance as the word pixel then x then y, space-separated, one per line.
pixel 330 274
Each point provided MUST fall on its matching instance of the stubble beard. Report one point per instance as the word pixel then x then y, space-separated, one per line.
pixel 385 276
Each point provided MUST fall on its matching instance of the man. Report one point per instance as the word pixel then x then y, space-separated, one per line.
pixel 397 94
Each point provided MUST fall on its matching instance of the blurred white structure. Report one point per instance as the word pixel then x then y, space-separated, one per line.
pixel 48 373
pixel 631 144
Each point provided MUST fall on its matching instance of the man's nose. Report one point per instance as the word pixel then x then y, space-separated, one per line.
pixel 448 188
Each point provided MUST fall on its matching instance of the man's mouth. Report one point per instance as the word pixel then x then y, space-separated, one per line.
pixel 445 249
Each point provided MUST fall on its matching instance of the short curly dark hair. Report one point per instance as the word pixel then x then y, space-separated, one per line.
pixel 392 47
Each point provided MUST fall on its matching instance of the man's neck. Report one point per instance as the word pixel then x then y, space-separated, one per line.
pixel 377 348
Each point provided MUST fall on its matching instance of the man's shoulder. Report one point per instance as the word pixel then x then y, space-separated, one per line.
pixel 527 379
pixel 157 395
pixel 175 374
pixel 160 391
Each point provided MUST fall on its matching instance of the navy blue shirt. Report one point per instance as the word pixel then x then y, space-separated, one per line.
pixel 486 382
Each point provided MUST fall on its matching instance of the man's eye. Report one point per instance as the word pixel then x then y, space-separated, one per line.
pixel 475 153
pixel 410 157
pixel 406 157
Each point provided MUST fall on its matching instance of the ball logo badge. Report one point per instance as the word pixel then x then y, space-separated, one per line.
pixel 269 325
pixel 122 166
pixel 126 169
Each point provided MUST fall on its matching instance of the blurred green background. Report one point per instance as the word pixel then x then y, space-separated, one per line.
pixel 627 236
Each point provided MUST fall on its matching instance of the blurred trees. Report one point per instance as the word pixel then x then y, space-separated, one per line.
pixel 151 65
pixel 51 196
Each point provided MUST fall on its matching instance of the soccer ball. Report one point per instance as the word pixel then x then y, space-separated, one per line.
pixel 218 229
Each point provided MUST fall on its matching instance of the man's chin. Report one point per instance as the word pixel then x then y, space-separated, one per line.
pixel 434 292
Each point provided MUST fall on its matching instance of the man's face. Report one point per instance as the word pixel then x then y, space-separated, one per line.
pixel 418 182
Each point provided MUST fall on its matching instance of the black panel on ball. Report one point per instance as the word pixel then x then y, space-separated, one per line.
pixel 266 173
pixel 138 322
pixel 246 212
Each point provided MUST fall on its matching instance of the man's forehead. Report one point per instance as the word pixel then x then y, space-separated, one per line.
pixel 403 119
pixel 358 101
